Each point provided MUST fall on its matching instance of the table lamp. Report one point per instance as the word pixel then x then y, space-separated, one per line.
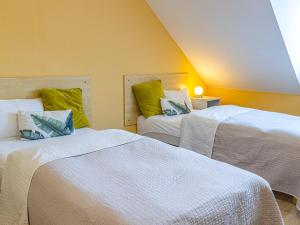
pixel 198 91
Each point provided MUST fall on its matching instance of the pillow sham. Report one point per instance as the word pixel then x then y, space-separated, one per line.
pixel 173 108
pixel 8 114
pixel 148 96
pixel 47 124
pixel 63 99
pixel 179 96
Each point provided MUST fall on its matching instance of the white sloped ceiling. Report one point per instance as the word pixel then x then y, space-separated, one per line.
pixel 287 13
pixel 231 43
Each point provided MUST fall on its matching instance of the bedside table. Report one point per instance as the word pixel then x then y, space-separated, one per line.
pixel 205 102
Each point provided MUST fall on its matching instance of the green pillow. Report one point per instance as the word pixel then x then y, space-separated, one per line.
pixel 63 99
pixel 148 96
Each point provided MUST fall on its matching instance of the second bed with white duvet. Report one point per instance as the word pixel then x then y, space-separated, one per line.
pixel 265 143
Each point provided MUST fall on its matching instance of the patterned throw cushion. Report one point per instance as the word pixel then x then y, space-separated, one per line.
pixel 172 108
pixel 40 125
pixel 179 96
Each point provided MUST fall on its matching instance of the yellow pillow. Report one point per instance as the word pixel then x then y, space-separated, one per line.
pixel 63 99
pixel 148 96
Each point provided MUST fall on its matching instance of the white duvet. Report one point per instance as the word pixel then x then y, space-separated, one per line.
pixel 265 143
pixel 17 172
pixel 198 129
pixel 9 145
pixel 213 192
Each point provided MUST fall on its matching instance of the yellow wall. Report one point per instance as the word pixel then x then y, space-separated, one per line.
pixel 101 38
pixel 267 101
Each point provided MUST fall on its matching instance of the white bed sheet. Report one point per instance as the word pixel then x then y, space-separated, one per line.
pixel 9 145
pixel 160 124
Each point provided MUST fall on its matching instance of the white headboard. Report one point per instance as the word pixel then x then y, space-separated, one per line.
pixel 28 87
pixel 170 81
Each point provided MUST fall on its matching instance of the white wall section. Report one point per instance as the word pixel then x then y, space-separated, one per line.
pixel 232 43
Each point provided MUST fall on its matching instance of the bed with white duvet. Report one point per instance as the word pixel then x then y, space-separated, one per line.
pixel 265 143
pixel 115 177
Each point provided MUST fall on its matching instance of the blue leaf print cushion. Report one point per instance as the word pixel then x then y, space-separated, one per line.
pixel 47 124
pixel 173 108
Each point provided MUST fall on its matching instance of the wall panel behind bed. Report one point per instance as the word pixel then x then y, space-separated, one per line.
pixel 28 87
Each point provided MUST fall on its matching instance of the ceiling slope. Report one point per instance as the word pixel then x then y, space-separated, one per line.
pixel 232 44
pixel 288 16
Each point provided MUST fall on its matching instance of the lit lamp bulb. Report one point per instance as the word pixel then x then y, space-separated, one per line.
pixel 198 91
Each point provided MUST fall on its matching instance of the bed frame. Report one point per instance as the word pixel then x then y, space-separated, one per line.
pixel 28 87
pixel 170 81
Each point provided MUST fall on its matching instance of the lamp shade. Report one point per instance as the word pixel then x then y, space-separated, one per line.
pixel 198 91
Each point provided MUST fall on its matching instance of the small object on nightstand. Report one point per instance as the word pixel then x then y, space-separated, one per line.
pixel 205 102
pixel 198 91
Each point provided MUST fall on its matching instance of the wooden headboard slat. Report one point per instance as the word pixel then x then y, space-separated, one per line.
pixel 28 87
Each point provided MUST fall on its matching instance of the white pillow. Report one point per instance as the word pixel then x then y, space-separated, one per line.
pixel 47 124
pixel 179 96
pixel 8 114
pixel 173 108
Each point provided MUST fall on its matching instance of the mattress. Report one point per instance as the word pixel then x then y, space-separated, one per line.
pixel 169 125
pixel 166 138
pixel 160 127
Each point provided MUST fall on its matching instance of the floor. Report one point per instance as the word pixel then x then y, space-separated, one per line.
pixel 288 210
